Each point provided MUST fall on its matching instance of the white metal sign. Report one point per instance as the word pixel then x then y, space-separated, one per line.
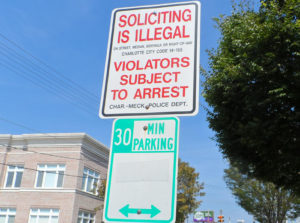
pixel 152 65
pixel 142 175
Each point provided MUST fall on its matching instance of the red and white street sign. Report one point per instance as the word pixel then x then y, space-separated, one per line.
pixel 152 65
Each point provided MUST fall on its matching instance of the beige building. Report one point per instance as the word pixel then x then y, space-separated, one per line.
pixel 51 178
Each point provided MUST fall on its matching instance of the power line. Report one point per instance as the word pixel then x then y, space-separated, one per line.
pixel 17 124
pixel 68 80
pixel 205 184
pixel 32 64
pixel 26 127
pixel 45 134
pixel 49 135
pixel 26 168
pixel 45 171
pixel 42 81
pixel 49 89
pixel 35 72
pixel 53 155
pixel 51 80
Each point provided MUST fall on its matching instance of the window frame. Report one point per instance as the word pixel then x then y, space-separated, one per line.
pixel 15 170
pixel 81 217
pixel 50 215
pixel 94 178
pixel 9 212
pixel 46 170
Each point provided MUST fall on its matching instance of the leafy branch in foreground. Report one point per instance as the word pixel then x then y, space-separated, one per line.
pixel 252 89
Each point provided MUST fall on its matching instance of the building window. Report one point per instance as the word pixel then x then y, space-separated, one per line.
pixel 86 217
pixel 50 175
pixel 14 176
pixel 90 180
pixel 7 215
pixel 45 215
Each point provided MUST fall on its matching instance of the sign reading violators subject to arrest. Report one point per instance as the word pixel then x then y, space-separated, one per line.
pixel 152 65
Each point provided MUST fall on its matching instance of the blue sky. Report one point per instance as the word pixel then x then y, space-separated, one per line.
pixel 71 36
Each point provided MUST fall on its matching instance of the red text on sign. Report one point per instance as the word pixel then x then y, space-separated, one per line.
pixel 155 78
pixel 163 92
pixel 163 63
pixel 161 33
pixel 155 18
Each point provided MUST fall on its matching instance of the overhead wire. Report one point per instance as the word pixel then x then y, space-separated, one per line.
pixel 47 88
pixel 47 154
pixel 59 156
pixel 17 124
pixel 51 81
pixel 42 82
pixel 53 155
pixel 27 168
pixel 66 80
pixel 47 135
pixel 36 72
pixel 47 171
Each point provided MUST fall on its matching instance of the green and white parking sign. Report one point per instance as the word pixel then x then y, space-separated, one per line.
pixel 142 185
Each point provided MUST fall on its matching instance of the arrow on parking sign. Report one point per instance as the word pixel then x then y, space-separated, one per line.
pixel 126 210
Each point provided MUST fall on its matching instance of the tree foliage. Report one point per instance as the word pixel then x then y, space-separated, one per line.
pixel 188 191
pixel 101 189
pixel 100 193
pixel 264 201
pixel 253 91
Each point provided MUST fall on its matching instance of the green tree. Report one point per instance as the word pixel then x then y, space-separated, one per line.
pixel 264 201
pixel 101 189
pixel 252 89
pixel 101 193
pixel 188 191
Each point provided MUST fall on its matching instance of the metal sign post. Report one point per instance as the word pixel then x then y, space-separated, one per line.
pixel 142 174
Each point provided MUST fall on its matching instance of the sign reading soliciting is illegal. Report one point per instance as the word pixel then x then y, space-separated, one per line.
pixel 152 65
pixel 142 174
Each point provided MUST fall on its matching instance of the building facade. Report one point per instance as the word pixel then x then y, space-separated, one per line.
pixel 51 178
